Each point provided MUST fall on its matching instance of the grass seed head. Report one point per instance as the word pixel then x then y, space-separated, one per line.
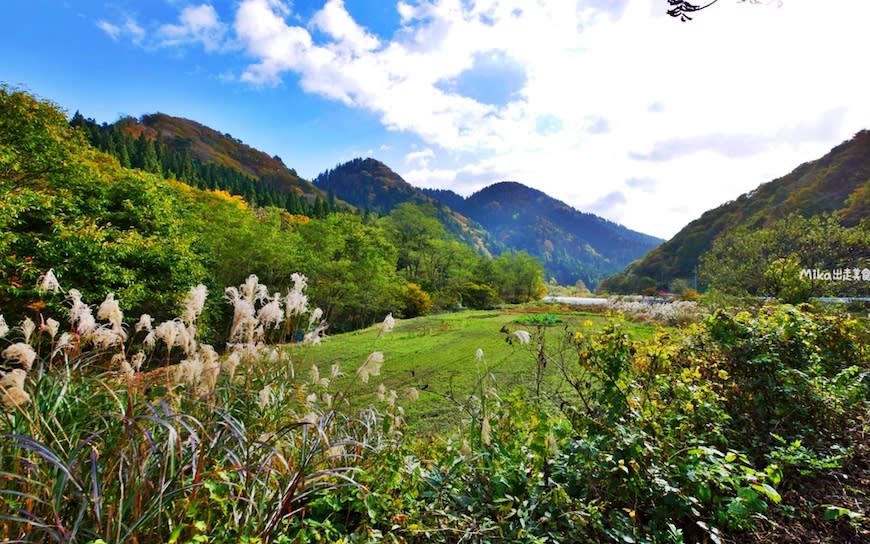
pixel 110 310
pixel 12 393
pixel 371 366
pixel 145 323
pixel 51 326
pixel 194 303
pixel 21 354
pixel 388 323
pixel 523 336
pixel 48 282
pixel 27 328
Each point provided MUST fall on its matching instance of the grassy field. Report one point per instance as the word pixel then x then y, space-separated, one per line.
pixel 436 355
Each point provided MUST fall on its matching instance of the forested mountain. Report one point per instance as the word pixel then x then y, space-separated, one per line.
pixel 206 158
pixel 573 245
pixel 505 216
pixel 369 185
pixel 372 186
pixel 838 183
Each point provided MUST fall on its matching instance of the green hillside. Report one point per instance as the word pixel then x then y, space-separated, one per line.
pixel 372 186
pixel 205 158
pixel 837 183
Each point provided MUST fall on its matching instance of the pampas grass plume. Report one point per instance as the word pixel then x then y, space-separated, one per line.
pixel 20 353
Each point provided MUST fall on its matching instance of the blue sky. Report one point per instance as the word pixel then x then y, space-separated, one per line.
pixel 608 105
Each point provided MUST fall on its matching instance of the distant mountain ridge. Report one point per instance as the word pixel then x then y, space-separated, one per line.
pixel 838 182
pixel 573 245
pixel 369 184
pixel 507 215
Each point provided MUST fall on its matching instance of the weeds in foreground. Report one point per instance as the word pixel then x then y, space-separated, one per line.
pixel 687 437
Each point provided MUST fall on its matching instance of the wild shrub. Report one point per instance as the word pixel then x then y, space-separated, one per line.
pixel 682 438
pixel 228 448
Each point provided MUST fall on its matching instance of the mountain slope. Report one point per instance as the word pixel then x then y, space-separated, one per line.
pixel 837 182
pixel 573 245
pixel 201 156
pixel 210 146
pixel 371 185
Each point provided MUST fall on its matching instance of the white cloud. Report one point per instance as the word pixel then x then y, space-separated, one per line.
pixel 613 92
pixel 421 158
pixel 335 21
pixel 112 30
pixel 127 28
pixel 197 24
pixel 136 32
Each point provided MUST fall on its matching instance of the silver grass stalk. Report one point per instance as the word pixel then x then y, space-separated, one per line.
pixel 270 314
pixel 388 324
pixel 125 367
pixel 48 282
pixel 106 337
pixel 51 326
pixel 81 318
pixel 230 364
pixel 110 310
pixel 211 368
pixel 137 360
pixel 20 353
pixel 371 366
pixel 316 314
pixel 64 342
pixel 27 328
pixel 12 393
pixel 264 397
pixel 523 336
pixel 296 302
pixel 145 323
pixel 194 303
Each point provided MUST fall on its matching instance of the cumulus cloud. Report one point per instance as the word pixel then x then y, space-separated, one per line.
pixel 421 158
pixel 643 184
pixel 335 21
pixel 597 125
pixel 601 96
pixel 196 24
pixel 398 82
pixel 747 144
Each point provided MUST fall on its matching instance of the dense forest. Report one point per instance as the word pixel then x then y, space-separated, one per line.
pixel 149 231
pixel 173 157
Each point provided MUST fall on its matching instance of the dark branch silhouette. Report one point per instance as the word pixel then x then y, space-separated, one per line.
pixel 681 8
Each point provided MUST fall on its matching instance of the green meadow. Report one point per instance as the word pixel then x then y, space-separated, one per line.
pixel 436 355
